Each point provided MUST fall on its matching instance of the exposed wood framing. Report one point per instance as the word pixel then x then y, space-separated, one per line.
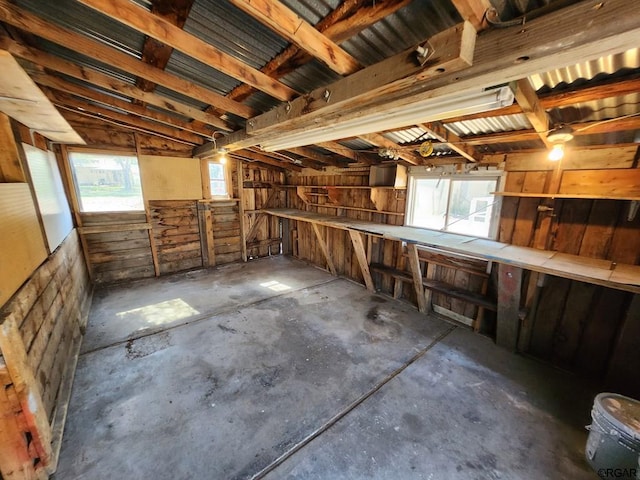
pixel 325 249
pixel 262 158
pixel 157 53
pixel 383 142
pixel 26 21
pixel 508 323
pixel 416 275
pixel 140 19
pixel 530 104
pixel 358 248
pixel 281 19
pixel 313 155
pixel 453 141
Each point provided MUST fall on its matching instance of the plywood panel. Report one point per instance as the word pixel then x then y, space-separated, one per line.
pixel 170 178
pixel 22 247
pixel 612 183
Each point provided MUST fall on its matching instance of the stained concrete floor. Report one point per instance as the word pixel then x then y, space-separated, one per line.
pixel 274 369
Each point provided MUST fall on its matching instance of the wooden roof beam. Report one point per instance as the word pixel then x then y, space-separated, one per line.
pixel 347 19
pixel 284 21
pixel 24 20
pixel 453 141
pixel 249 155
pixel 67 101
pixel 106 82
pixel 311 154
pixel 140 19
pixel 59 84
pixel 382 142
pixel 157 53
pixel 473 11
pixel 528 101
pixel 358 157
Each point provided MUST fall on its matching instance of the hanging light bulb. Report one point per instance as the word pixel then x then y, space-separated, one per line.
pixel 222 155
pixel 558 137
pixel 557 152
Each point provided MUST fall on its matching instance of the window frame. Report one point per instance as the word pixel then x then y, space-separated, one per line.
pixel 75 187
pixel 455 177
pixel 227 180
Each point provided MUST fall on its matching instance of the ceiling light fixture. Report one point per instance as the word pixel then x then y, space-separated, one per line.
pixel 220 152
pixel 429 110
pixel 559 137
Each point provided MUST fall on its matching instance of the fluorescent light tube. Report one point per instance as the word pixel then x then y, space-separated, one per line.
pixel 420 112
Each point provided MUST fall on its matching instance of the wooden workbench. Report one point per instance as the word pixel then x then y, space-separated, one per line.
pixel 511 259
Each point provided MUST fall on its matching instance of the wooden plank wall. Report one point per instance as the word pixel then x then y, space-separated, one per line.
pixel 176 233
pixel 50 312
pixel 120 248
pixel 387 253
pixel 258 185
pixel 579 326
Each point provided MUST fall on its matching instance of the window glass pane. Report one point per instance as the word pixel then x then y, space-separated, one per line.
pixel 471 207
pixel 217 180
pixel 107 182
pixel 430 202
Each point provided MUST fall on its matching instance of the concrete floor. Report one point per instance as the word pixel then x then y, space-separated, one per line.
pixel 276 369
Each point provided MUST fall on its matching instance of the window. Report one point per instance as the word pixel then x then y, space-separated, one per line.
pixel 218 180
pixel 106 182
pixel 461 204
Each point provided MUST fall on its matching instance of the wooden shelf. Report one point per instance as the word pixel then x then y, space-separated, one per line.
pixel 365 187
pixel 562 196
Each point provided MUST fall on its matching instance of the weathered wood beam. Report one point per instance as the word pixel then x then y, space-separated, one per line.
pixel 284 21
pixel 453 51
pixel 383 142
pixel 65 100
pixel 325 249
pixel 140 19
pixel 453 141
pixel 157 53
pixel 509 292
pixel 258 157
pixel 29 22
pixel 346 20
pixel 358 248
pixel 313 155
pixel 359 157
pixel 59 84
pixel 474 11
pixel 106 82
pixel 416 275
pixel 528 101
pixel 551 41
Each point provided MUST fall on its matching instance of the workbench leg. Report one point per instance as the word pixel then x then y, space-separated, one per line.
pixel 509 288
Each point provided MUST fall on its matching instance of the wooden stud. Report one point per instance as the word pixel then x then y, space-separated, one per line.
pixel 325 249
pixel 240 176
pixel 358 248
pixel 509 288
pixel 152 240
pixel 416 274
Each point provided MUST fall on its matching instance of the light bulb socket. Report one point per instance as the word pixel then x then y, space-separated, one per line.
pixel 561 134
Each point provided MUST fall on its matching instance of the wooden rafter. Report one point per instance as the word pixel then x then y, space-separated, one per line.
pixel 259 157
pixel 473 11
pixel 346 20
pixel 124 106
pixel 528 101
pixel 106 82
pixel 453 141
pixel 157 53
pixel 140 19
pixel 311 154
pixel 358 157
pixel 383 142
pixel 24 20
pixel 136 123
pixel 284 21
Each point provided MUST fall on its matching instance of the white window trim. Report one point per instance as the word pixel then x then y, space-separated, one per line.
pixel 227 180
pixel 479 175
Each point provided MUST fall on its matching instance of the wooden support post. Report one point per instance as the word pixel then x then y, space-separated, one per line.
pixel 532 297
pixel 287 247
pixel 152 243
pixel 243 240
pixel 358 248
pixel 325 249
pixel 400 263
pixel 431 275
pixel 416 274
pixel 509 286
pixel 26 389
pixel 205 222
